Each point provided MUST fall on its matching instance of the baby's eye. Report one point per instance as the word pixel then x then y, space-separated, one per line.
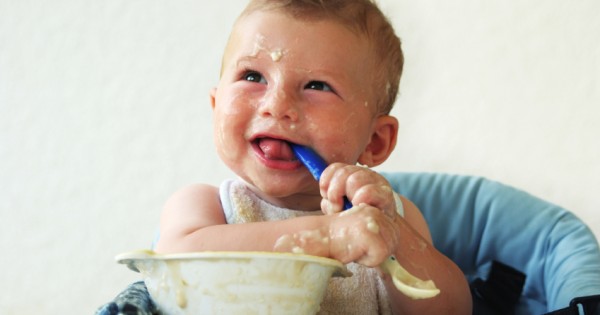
pixel 254 76
pixel 319 86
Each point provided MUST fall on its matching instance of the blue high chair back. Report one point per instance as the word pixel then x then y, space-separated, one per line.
pixel 475 221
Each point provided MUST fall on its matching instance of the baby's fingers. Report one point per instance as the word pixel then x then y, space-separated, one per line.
pixel 339 181
pixel 377 195
pixel 356 183
pixel 332 187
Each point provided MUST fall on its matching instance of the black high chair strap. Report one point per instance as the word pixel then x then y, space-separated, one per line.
pixel 588 305
pixel 499 294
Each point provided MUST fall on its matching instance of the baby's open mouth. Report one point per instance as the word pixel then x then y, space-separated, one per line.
pixel 275 149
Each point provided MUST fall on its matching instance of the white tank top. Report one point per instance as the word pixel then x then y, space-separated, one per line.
pixel 361 294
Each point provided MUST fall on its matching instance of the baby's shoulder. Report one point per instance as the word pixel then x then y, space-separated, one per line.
pixel 196 191
pixel 194 198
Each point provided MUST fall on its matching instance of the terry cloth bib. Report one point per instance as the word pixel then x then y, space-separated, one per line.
pixel 362 293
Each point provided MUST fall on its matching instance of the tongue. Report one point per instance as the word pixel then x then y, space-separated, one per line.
pixel 276 149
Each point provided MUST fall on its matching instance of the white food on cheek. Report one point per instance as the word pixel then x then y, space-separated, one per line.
pixel 222 139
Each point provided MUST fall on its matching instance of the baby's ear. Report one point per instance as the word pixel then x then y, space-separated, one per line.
pixel 213 95
pixel 382 143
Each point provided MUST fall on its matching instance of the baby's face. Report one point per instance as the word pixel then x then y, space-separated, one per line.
pixel 285 80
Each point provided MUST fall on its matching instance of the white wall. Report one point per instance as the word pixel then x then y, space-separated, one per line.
pixel 104 113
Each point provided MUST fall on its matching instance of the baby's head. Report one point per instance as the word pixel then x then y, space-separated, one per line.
pixel 362 17
pixel 322 74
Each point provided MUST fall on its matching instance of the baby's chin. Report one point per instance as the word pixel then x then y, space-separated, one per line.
pixel 282 195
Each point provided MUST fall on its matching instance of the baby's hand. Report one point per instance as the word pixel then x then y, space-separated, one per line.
pixel 363 234
pixel 359 184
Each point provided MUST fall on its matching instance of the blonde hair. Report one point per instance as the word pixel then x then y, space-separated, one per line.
pixel 363 17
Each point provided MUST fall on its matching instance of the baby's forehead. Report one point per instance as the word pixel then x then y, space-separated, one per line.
pixel 277 33
pixel 334 44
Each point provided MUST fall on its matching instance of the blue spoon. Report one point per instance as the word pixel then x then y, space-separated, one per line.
pixel 405 282
pixel 315 164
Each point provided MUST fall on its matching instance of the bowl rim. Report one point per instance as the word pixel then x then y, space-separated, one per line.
pixel 129 258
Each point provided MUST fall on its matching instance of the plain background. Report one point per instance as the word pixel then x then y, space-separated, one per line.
pixel 104 112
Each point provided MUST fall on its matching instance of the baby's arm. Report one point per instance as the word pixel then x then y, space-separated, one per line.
pixel 193 220
pixel 408 238
pixel 417 254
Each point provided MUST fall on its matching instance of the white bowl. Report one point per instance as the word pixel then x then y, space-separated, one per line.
pixel 234 282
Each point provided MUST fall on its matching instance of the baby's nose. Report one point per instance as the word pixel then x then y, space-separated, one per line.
pixel 280 105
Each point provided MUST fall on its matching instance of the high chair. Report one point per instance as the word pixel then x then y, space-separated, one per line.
pixel 521 254
pixel 544 254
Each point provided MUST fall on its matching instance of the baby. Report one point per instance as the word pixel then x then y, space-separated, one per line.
pixel 322 74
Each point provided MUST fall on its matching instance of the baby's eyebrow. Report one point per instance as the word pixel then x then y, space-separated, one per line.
pixel 247 61
pixel 244 61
